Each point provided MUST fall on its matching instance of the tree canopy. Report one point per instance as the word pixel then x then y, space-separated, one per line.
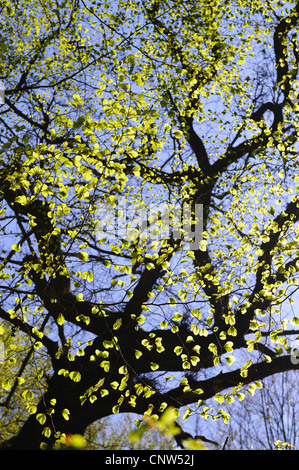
pixel 118 109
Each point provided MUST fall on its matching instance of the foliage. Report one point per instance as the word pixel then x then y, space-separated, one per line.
pixel 22 376
pixel 109 108
pixel 114 433
pixel 265 421
pixel 167 425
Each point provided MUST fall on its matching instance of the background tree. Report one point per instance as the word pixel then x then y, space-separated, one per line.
pixel 114 434
pixel 266 420
pixel 177 102
pixel 23 375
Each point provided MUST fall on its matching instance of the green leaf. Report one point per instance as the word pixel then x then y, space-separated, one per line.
pixel 230 360
pixel 178 134
pixel 46 432
pixel 32 409
pixel 229 346
pixel 177 317
pixel 178 350
pixel 114 385
pixel 138 353
pixel 6 385
pixel 41 418
pixel 123 370
pixel 75 376
pixel 194 360
pixel 10 11
pixel 186 365
pixel 196 313
pixel 232 331
pixel 66 414
pixel 117 324
pixel 203 332
pixel 60 319
pixel 83 256
pixel 16 247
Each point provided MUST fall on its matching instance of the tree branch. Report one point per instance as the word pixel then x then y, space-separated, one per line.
pixel 224 381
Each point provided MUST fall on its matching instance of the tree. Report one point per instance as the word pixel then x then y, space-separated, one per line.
pixel 23 374
pixel 267 420
pixel 109 109
pixel 114 434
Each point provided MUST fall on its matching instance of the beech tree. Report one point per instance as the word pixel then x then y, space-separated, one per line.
pixel 272 414
pixel 141 106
